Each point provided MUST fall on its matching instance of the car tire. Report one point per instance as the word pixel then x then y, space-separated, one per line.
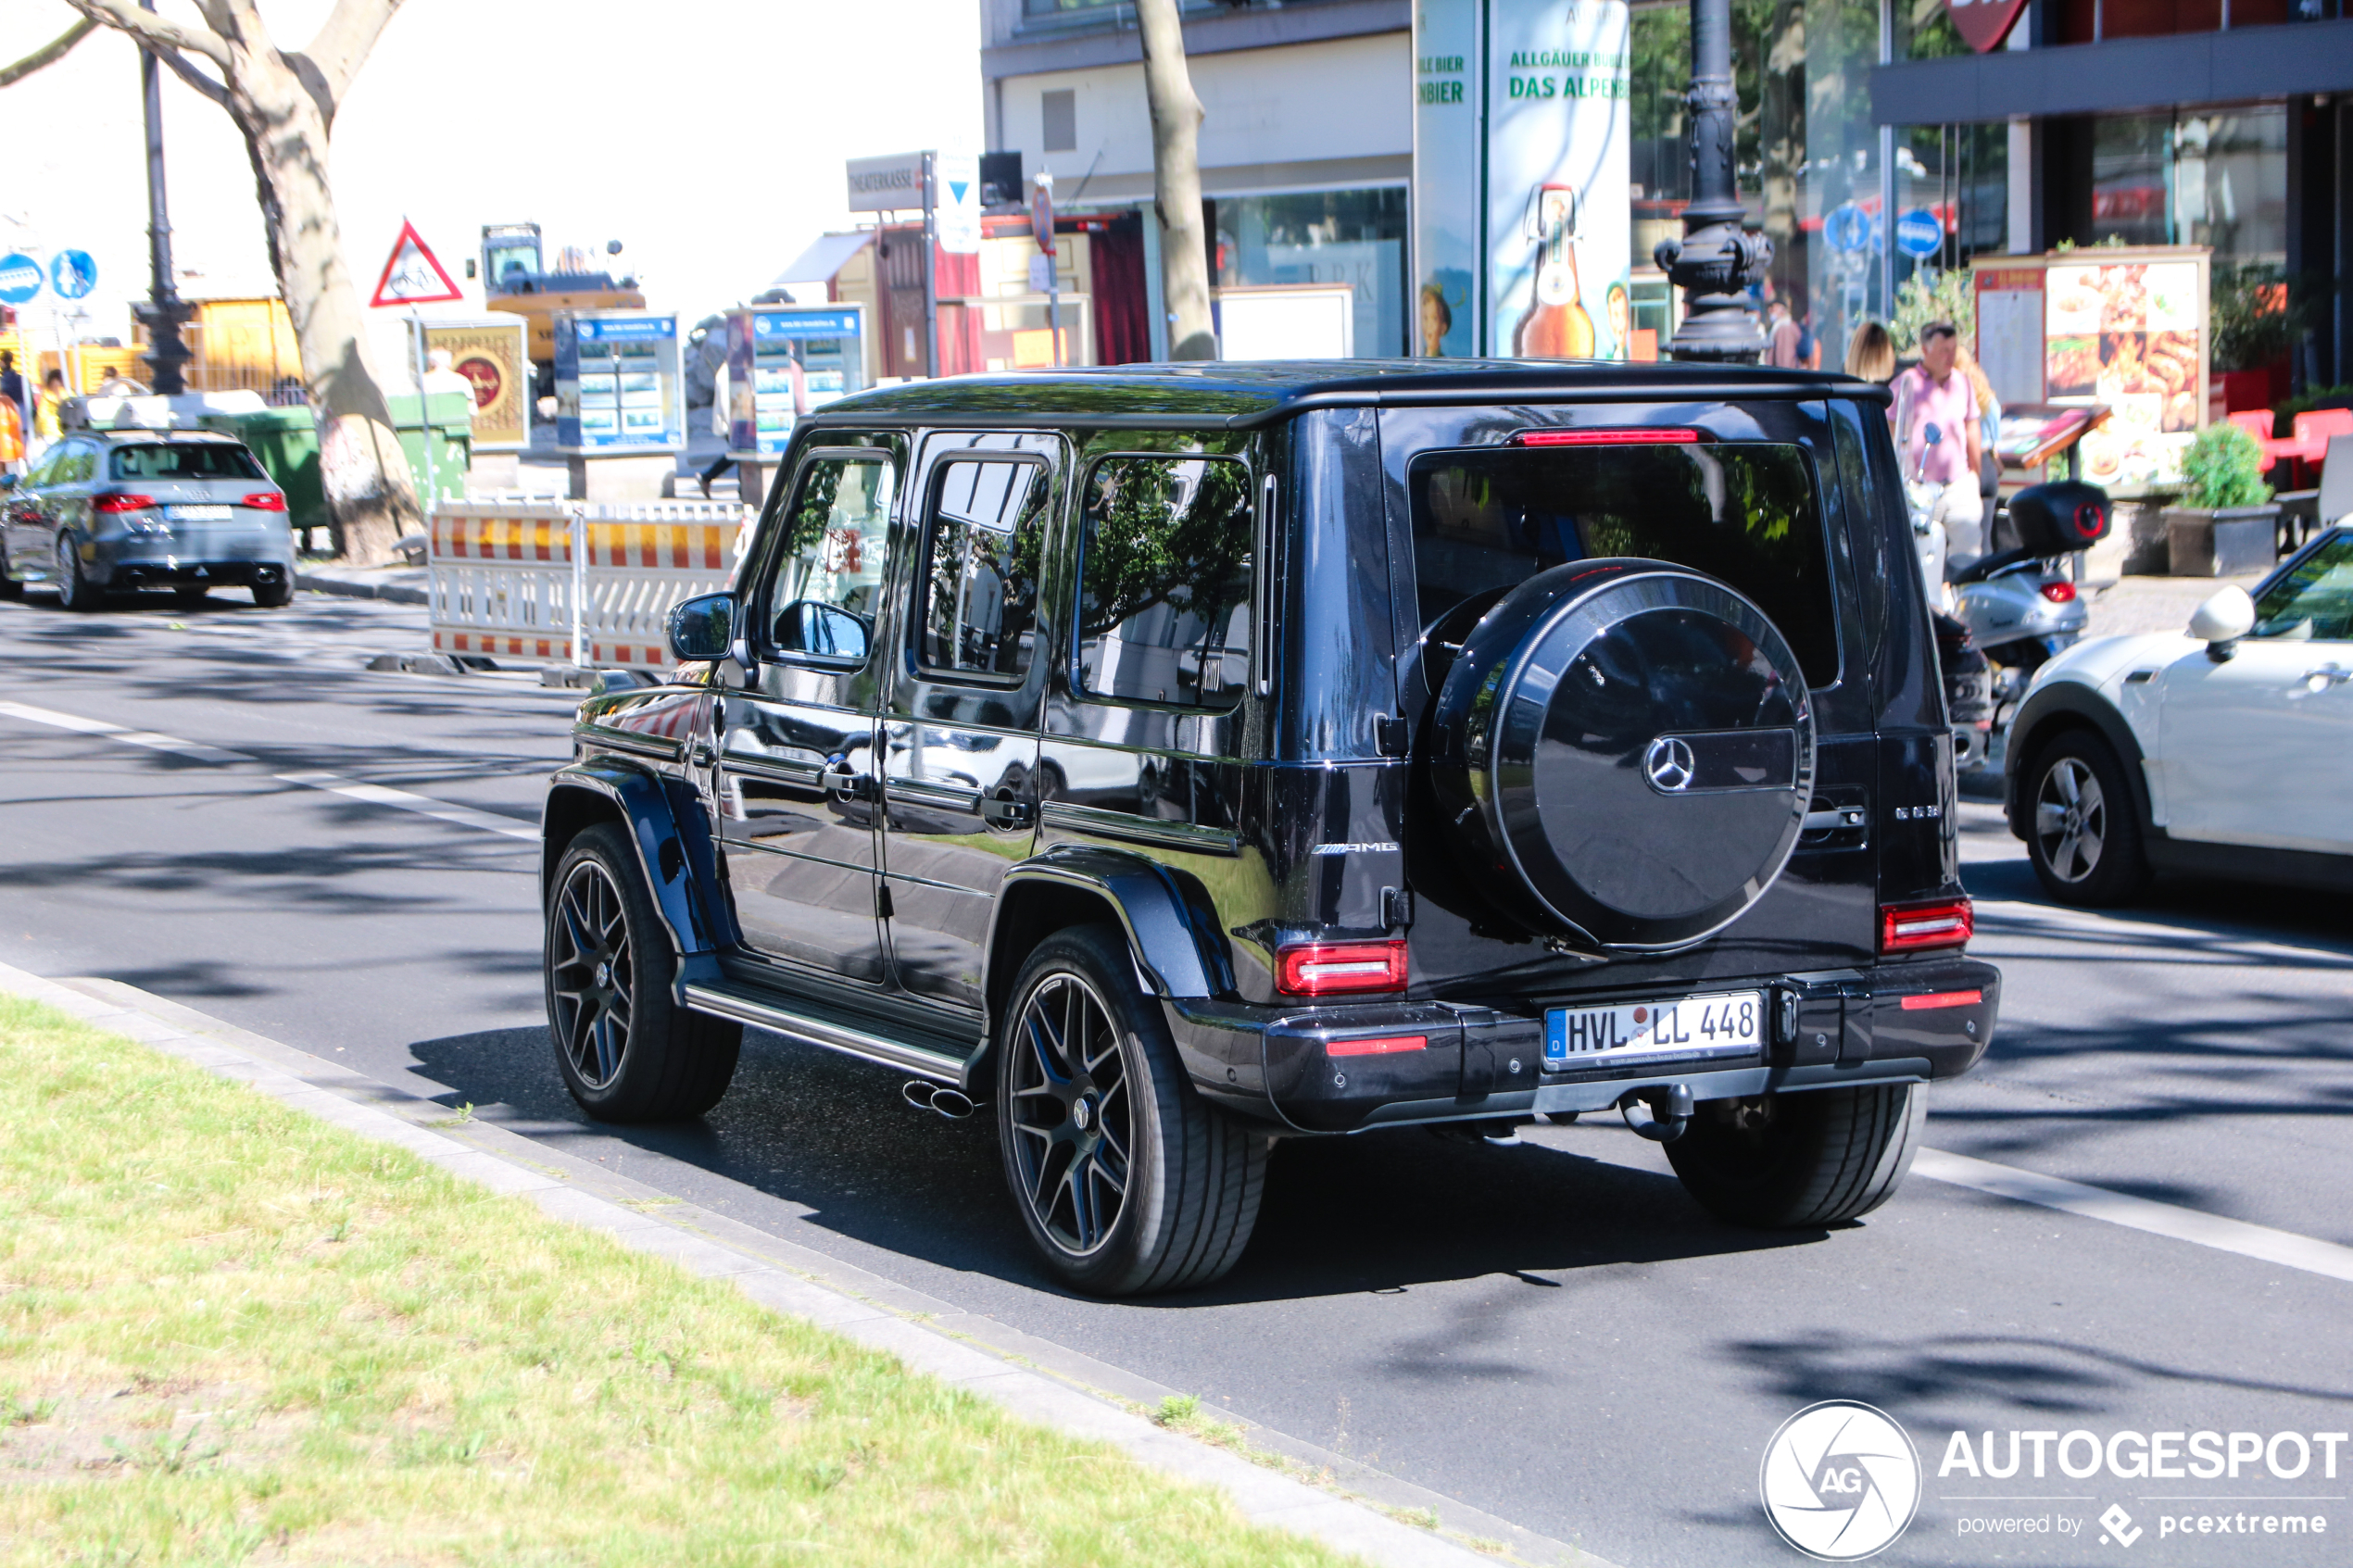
pixel 2084 832
pixel 1084 1062
pixel 74 591
pixel 628 1052
pixel 274 596
pixel 1800 1161
pixel 9 587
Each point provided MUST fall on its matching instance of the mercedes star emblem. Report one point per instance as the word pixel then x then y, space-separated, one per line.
pixel 1668 764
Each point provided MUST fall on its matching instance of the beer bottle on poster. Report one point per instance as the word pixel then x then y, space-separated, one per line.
pixel 1558 325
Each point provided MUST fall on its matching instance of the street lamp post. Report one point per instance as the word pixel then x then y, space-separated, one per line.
pixel 166 353
pixel 1714 262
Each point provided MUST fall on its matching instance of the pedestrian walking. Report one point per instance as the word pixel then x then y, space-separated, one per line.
pixel 12 384
pixel 1780 336
pixel 1939 434
pixel 1870 353
pixel 48 412
pixel 1809 347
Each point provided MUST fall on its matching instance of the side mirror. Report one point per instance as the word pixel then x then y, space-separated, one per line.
pixel 828 631
pixel 702 629
pixel 2222 620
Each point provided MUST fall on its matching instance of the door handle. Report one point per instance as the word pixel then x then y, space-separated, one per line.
pixel 2324 677
pixel 837 780
pixel 1833 820
pixel 1007 813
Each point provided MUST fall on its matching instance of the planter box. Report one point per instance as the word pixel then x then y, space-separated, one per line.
pixel 2147 549
pixel 2222 544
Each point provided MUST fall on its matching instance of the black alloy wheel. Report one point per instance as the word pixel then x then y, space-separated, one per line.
pixel 74 591
pixel 274 595
pixel 1126 1178
pixel 590 966
pixel 2084 838
pixel 1073 1126
pixel 625 1048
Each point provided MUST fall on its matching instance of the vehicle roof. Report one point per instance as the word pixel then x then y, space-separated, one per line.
pixel 1238 396
pixel 163 437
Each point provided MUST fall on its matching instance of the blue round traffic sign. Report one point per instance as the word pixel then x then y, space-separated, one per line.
pixel 20 277
pixel 72 273
pixel 1919 233
pixel 1846 229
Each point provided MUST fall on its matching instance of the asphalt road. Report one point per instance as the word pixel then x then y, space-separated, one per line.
pixel 1551 1333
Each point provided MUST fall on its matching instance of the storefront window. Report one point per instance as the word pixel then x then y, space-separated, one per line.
pixel 2218 180
pixel 1353 237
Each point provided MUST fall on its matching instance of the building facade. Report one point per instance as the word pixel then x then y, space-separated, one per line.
pixel 2214 122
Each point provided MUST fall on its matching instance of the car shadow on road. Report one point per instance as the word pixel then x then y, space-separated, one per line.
pixel 831 1137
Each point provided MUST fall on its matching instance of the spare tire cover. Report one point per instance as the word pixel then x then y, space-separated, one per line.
pixel 1630 745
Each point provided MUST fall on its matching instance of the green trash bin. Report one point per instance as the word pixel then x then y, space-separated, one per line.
pixel 285 441
pixel 452 433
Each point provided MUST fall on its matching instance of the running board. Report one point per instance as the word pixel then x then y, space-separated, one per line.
pixel 827 1035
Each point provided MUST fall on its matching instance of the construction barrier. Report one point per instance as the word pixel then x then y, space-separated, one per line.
pixel 562 581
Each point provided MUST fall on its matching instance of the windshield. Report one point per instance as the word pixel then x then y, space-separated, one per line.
pixel 1744 513
pixel 210 459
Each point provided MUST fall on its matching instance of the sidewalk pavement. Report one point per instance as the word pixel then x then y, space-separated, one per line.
pixel 399 585
pixel 1277 1480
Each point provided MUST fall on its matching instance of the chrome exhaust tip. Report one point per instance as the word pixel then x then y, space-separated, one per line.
pixel 917 1092
pixel 924 1095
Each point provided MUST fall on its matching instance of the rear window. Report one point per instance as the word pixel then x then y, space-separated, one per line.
pixel 205 460
pixel 1744 513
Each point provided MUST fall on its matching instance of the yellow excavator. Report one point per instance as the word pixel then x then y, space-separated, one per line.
pixel 515 279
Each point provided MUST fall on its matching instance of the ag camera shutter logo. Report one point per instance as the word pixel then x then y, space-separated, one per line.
pixel 1840 1481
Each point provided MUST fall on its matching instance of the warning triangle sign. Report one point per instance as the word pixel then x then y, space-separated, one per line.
pixel 411 274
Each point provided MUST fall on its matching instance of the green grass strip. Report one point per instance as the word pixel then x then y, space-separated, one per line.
pixel 230 1331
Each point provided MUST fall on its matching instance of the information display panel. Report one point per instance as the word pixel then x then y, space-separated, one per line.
pixel 784 360
pixel 618 382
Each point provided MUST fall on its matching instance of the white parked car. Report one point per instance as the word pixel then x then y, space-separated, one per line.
pixel 2223 751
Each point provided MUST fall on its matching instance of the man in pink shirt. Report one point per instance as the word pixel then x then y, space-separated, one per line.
pixel 1934 395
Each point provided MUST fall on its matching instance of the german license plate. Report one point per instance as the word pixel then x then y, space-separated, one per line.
pixel 197 514
pixel 1732 1023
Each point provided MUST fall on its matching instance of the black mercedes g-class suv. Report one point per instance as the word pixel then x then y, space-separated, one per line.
pixel 1175 759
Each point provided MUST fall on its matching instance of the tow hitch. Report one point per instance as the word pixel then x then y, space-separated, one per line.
pixel 1670 1111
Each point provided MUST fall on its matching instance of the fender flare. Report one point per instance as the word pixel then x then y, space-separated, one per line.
pixel 1164 928
pixel 672 835
pixel 2048 709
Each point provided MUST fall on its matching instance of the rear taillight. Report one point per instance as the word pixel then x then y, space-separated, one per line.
pixel 1384 1045
pixel 267 500
pixel 1332 969
pixel 2058 592
pixel 120 501
pixel 1909 928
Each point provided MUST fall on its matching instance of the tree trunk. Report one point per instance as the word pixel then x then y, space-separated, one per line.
pixel 1176 116
pixel 371 500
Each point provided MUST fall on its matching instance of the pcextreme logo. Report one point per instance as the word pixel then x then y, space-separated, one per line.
pixel 1840 1481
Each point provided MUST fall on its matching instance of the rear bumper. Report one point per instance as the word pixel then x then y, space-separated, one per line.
pixel 1907 1022
pixel 170 573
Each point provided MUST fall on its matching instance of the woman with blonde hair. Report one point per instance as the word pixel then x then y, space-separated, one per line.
pixel 1870 353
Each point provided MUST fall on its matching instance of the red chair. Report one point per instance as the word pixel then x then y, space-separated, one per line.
pixel 2257 423
pixel 2309 444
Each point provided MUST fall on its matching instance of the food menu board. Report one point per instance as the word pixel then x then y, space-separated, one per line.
pixel 2122 328
pixel 783 361
pixel 618 386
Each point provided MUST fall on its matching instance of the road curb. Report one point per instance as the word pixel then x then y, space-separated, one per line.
pixel 1035 1381
pixel 345 588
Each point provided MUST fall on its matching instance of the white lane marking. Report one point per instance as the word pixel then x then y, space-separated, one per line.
pixel 2259 1242
pixel 378 795
pixel 148 738
pixel 332 783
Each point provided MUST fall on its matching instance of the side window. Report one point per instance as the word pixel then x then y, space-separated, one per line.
pixel 82 463
pixel 1164 580
pixel 823 601
pixel 982 545
pixel 2315 601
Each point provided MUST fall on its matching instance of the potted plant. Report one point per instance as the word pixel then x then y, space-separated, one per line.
pixel 2225 522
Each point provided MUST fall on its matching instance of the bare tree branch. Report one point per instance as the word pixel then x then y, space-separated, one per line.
pixel 149 27
pixel 185 69
pixel 345 41
pixel 49 53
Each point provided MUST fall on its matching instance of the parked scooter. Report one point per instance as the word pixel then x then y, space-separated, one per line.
pixel 2020 604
